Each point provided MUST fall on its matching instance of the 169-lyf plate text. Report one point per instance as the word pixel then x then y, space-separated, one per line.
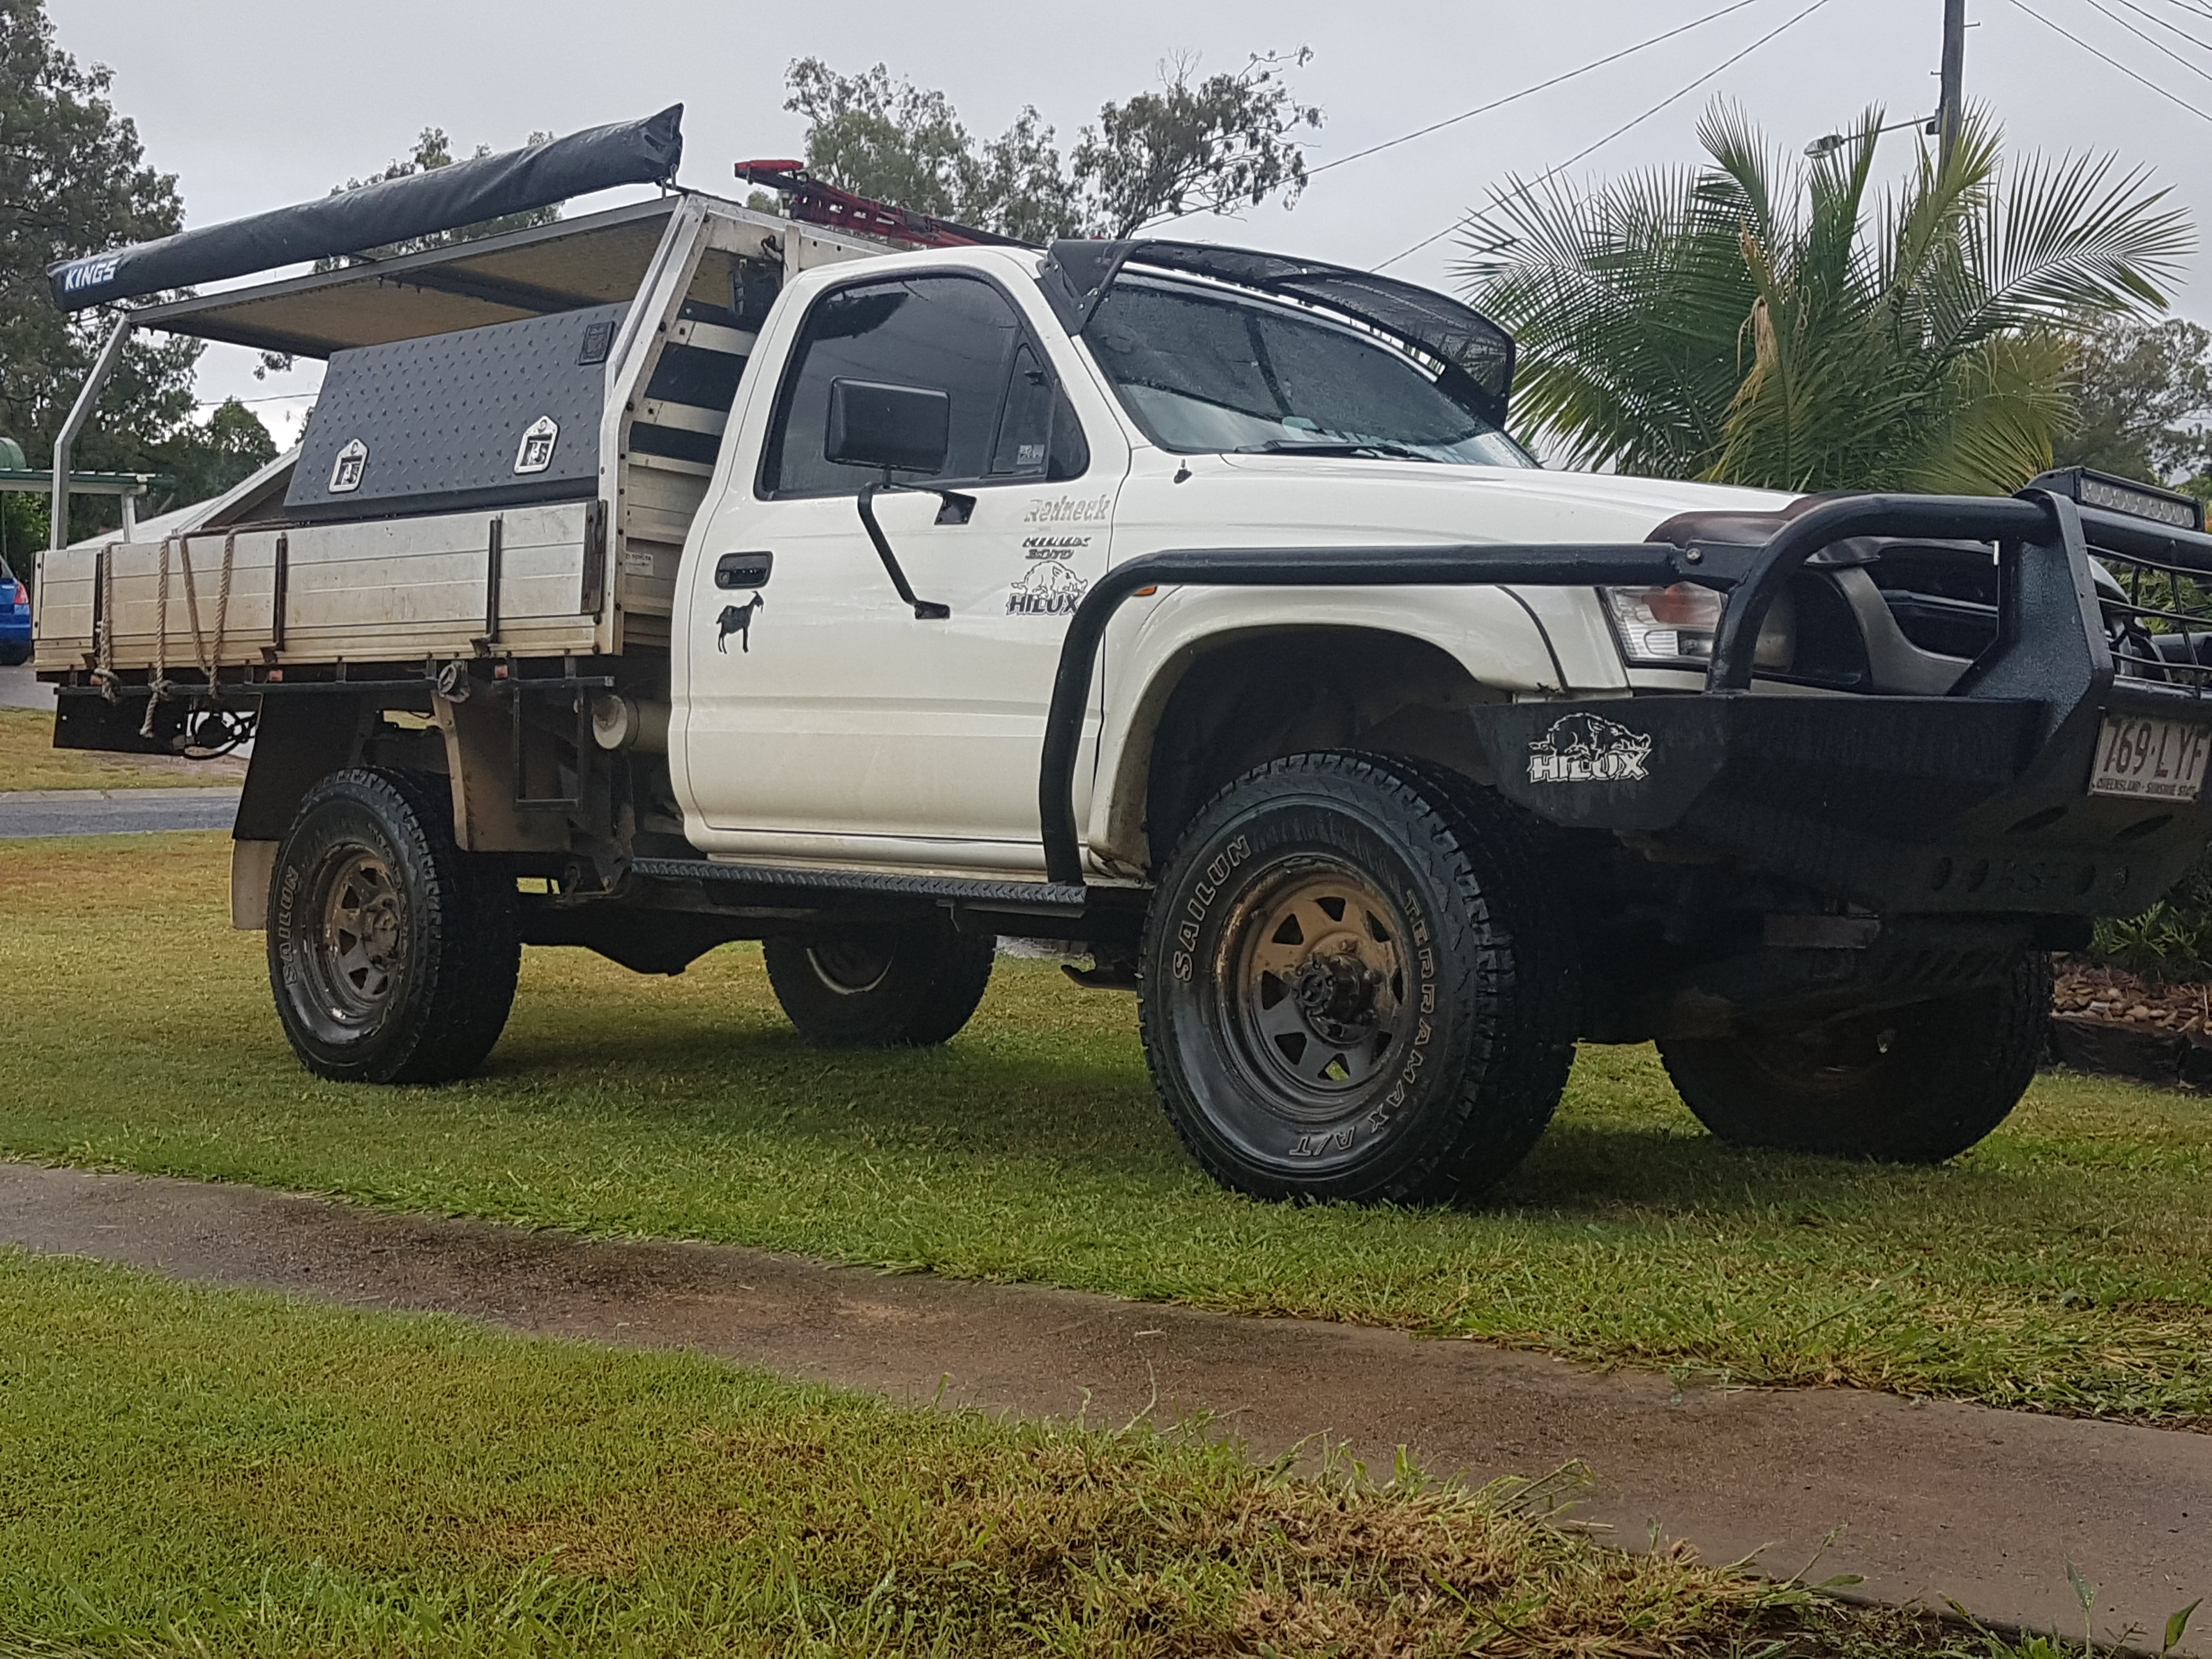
pixel 2150 759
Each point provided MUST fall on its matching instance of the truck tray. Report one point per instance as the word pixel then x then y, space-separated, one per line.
pixel 530 580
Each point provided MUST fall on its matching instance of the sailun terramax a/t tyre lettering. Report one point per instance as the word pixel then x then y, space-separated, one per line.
pixel 1359 984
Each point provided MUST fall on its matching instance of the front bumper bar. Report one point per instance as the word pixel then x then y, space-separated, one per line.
pixel 1972 802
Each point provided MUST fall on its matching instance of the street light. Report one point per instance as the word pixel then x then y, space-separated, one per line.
pixel 1829 143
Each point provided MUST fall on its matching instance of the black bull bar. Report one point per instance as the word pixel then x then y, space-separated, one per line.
pixel 1976 801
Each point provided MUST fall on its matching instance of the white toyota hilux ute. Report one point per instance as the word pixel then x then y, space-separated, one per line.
pixel 683 574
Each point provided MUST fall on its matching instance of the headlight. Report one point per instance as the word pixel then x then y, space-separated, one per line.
pixel 1675 627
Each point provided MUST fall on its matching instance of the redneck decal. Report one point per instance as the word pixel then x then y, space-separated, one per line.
pixel 1586 748
pixel 1069 509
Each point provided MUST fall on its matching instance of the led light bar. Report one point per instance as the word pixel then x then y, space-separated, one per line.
pixel 2138 500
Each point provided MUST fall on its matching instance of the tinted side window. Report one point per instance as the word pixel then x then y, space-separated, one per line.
pixel 1039 436
pixel 949 333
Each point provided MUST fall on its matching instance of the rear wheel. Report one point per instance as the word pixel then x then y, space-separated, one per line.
pixel 910 984
pixel 1915 1085
pixel 392 954
pixel 1357 984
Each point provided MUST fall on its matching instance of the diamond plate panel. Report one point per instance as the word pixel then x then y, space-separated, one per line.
pixel 458 420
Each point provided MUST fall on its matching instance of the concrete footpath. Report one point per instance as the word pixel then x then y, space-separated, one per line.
pixel 1936 1501
pixel 114 811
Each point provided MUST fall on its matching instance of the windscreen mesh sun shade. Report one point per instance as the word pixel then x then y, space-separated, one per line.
pixel 1077 275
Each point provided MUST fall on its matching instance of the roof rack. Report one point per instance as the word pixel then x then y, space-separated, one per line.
pixel 810 201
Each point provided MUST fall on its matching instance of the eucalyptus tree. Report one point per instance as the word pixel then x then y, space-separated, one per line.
pixel 1762 319
pixel 1210 144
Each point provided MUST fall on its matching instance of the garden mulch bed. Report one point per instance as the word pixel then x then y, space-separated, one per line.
pixel 2114 1023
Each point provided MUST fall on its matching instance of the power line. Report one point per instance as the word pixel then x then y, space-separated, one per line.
pixel 2102 57
pixel 1672 97
pixel 1527 92
pixel 1484 109
pixel 2098 6
pixel 2153 17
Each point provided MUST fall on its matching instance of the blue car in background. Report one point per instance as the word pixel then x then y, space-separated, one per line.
pixel 14 619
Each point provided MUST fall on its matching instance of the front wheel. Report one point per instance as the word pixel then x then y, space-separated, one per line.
pixel 1359 984
pixel 906 985
pixel 1915 1085
pixel 392 954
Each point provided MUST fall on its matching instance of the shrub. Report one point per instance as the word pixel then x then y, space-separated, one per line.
pixel 2172 940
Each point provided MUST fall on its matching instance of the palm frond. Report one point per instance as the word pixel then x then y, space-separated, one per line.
pixel 1760 321
pixel 2074 236
pixel 2011 400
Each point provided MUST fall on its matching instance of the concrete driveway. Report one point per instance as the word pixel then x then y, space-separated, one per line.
pixel 18 689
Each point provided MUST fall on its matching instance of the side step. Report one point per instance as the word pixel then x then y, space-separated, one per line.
pixel 1037 908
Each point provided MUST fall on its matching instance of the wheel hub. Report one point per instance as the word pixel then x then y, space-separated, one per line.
pixel 361 939
pixel 1337 995
pixel 1318 987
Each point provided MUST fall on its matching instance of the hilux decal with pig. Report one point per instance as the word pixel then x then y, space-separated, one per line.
pixel 1050 589
pixel 1586 748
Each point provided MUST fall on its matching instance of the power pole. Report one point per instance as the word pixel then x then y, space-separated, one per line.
pixel 1948 108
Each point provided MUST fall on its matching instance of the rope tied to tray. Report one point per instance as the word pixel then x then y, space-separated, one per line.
pixel 210 659
pixel 103 630
pixel 157 688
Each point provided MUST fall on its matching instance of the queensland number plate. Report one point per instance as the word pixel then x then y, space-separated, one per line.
pixel 2150 759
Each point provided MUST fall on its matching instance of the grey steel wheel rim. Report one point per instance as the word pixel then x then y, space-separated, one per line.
pixel 353 957
pixel 853 963
pixel 1314 988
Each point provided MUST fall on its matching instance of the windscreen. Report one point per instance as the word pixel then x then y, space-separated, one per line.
pixel 1206 371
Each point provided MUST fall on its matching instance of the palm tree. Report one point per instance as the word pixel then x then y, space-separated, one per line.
pixel 1757 321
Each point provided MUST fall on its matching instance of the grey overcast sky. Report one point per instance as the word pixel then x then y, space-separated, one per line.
pixel 257 103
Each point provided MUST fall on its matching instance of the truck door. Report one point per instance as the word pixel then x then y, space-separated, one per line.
pixel 824 718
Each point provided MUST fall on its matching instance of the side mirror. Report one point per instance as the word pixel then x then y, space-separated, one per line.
pixel 896 428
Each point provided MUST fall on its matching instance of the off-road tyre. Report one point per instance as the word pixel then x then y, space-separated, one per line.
pixel 392 954
pixel 1359 983
pixel 1915 1085
pixel 912 985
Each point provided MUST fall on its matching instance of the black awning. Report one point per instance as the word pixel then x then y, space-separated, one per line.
pixel 445 198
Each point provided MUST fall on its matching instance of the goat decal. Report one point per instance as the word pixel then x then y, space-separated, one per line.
pixel 1588 749
pixel 738 619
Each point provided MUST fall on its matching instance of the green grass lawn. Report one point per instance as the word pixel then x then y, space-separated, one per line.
pixel 28 760
pixel 207 1473
pixel 2065 1265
